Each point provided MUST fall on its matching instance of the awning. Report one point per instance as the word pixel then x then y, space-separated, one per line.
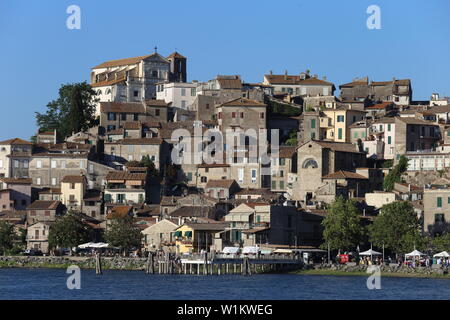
pixel 414 253
pixel 443 254
pixel 283 251
pixel 230 250
pixel 177 233
pixel 188 233
pixel 370 252
pixel 247 250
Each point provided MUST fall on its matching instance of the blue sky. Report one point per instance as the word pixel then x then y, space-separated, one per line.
pixel 38 52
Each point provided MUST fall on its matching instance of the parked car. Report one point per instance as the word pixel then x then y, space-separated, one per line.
pixel 32 252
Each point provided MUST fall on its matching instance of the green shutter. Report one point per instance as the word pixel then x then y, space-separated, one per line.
pixel 313 123
pixel 439 202
pixel 340 133
pixel 389 139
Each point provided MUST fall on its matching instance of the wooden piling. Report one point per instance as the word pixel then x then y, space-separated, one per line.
pixel 98 264
pixel 150 268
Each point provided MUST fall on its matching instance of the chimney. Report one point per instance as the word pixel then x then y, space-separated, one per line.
pixel 409 187
pixel 324 78
pixel 285 74
pixel 270 72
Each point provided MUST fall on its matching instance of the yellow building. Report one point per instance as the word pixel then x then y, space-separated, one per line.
pixel 195 236
pixel 73 189
pixel 336 119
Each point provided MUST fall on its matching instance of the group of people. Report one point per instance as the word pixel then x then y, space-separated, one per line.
pixel 368 261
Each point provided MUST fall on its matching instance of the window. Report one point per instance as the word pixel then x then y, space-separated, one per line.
pixel 282 185
pixel 310 163
pixel 240 174
pixel 313 123
pixel 340 118
pixel 123 116
pixel 340 133
pixel 16 163
pixel 38 181
pixel 203 179
pixel 389 127
pixel 242 115
pixel 313 135
pixel 389 139
pixel 207 107
pixel 53 181
pixel 157 112
pixel 233 114
pixel 439 202
pixel 183 104
pixel 253 175
pixel 193 92
pixel 183 92
pixel 111 116
pixel 53 164
pixel 136 93
pixel 262 115
pixel 72 186
pixel 281 173
pixel 136 117
pixel 189 176
pixel 274 185
pixel 439 218
pixel 282 161
pixel 355 135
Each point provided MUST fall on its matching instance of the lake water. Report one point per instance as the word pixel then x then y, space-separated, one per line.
pixel 51 284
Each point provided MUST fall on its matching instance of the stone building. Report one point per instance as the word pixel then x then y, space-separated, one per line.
pixel 134 79
pixel 15 157
pixel 15 194
pixel 44 211
pixel 319 160
pixel 281 167
pixel 299 85
pixel 73 189
pixel 37 236
pixel 159 235
pixel 436 203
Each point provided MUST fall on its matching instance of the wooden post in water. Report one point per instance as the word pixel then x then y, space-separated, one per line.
pixel 150 268
pixel 205 269
pixel 98 264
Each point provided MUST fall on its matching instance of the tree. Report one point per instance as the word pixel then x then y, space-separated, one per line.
pixel 7 236
pixel 343 228
pixel 292 140
pixel 123 233
pixel 69 231
pixel 441 243
pixel 73 111
pixel 397 227
pixel 150 165
pixel 395 174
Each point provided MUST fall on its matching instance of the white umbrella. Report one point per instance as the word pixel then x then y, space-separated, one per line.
pixel 249 249
pixel 443 254
pixel 415 253
pixel 230 250
pixel 85 245
pixel 100 245
pixel 370 252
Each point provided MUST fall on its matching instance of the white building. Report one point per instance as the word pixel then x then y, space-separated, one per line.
pixel 178 94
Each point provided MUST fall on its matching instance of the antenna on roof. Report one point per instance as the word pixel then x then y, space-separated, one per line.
pixel 156 49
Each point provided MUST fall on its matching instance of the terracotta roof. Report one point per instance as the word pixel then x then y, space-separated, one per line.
pixel 409 120
pixel 176 55
pixel 229 82
pixel 220 183
pixel 355 83
pixel 140 141
pixel 256 204
pixel 155 103
pixel 287 151
pixel 16 180
pixel 123 62
pixel 213 165
pixel 243 102
pixel 116 132
pixel 50 191
pixel 74 179
pixel 341 174
pixel 260 191
pixel 123 107
pixel 15 141
pixel 119 212
pixel 337 146
pixel 108 82
pixel 385 120
pixel 207 226
pixel 44 204
pixel 382 105
pixel 124 175
pixel 288 79
pixel 191 211
pixel 132 125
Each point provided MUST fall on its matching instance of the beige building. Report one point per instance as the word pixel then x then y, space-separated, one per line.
pixel 37 236
pixel 73 189
pixel 14 158
pixel 241 114
pixel 158 235
pixel 282 167
pixel 130 149
pixel 379 199
pixel 436 203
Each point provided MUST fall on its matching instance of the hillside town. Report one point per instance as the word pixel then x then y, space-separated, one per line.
pixel 144 159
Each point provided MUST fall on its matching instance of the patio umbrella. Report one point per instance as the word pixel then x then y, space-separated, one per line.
pixel 85 245
pixel 370 252
pixel 415 253
pixel 443 254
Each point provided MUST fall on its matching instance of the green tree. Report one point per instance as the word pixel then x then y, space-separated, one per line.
pixel 397 227
pixel 7 237
pixel 342 225
pixel 292 140
pixel 123 233
pixel 73 111
pixel 441 243
pixel 395 175
pixel 150 165
pixel 69 231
